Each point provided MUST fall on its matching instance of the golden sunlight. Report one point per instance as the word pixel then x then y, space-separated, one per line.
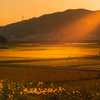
pixel 83 26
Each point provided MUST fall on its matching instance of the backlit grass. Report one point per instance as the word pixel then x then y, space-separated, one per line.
pixel 41 52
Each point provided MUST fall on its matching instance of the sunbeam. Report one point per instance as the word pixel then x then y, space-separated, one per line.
pixel 82 27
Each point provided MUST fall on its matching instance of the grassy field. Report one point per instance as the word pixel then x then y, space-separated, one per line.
pixel 50 73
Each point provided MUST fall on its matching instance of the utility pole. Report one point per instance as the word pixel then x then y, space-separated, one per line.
pixel 22 17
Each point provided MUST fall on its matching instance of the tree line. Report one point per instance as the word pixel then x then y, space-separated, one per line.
pixel 3 40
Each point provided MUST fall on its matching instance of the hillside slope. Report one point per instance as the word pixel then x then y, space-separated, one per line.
pixel 46 26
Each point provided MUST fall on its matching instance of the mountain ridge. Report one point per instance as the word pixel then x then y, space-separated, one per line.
pixel 46 26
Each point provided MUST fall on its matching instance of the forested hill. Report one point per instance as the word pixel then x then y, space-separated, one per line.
pixel 45 25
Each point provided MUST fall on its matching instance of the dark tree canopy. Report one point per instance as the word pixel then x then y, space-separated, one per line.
pixel 3 40
pixel 0 39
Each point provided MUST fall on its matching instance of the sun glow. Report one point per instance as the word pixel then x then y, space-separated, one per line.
pixel 83 26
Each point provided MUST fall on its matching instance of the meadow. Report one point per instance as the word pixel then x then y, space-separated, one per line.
pixel 50 72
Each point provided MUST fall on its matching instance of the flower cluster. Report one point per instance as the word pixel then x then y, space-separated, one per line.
pixel 19 90
pixel 11 90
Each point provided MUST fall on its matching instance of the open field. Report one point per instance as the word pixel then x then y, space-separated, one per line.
pixel 50 72
pixel 51 56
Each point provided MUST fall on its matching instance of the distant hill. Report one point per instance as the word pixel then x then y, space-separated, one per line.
pixel 48 26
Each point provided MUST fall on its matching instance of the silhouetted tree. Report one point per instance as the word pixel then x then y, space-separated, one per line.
pixel 0 39
pixel 3 40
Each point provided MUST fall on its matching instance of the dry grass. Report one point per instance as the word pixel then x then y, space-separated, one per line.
pixel 45 75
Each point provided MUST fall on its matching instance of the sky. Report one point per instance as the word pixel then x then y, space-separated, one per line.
pixel 12 11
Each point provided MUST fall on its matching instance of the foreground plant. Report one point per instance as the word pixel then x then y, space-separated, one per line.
pixel 10 90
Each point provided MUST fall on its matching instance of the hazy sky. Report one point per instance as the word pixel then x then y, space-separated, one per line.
pixel 12 10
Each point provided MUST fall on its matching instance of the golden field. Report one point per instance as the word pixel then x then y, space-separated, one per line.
pixel 50 72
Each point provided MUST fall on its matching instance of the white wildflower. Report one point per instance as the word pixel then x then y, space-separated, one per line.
pixel 55 90
pixel 21 93
pixel 39 89
pixel 60 89
pixel 9 96
pixel 73 92
pixel 30 83
pixel 63 89
pixel 25 90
